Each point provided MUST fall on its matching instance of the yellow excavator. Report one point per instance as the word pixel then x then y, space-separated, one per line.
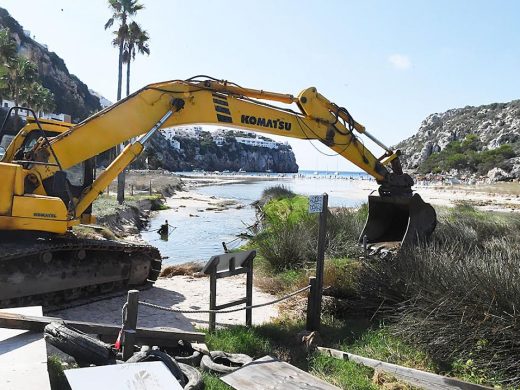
pixel 48 184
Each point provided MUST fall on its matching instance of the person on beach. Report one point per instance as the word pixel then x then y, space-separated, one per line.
pixel 163 230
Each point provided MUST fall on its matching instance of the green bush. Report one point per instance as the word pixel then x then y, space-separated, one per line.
pixel 289 235
pixel 468 155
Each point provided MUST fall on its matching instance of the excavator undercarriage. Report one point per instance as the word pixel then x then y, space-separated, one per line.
pixel 60 272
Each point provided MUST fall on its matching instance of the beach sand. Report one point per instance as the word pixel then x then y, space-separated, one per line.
pixel 181 292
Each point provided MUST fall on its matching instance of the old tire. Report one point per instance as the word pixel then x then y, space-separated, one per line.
pixel 192 377
pixel 220 362
pixel 192 360
pixel 185 353
pixel 155 356
pixel 84 349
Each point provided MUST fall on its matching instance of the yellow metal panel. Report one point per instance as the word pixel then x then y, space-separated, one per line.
pixel 39 207
pixel 10 176
pixel 18 188
pixel 16 223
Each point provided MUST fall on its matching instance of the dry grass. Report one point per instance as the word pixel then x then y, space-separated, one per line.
pixel 458 295
pixel 96 233
pixel 188 269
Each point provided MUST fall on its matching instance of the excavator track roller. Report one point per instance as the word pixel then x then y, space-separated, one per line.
pixel 394 221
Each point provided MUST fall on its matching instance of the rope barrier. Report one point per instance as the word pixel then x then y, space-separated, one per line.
pixel 171 309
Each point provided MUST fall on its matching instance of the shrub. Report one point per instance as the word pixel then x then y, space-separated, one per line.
pixel 458 295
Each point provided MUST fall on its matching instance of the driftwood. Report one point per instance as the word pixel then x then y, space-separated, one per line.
pixel 414 377
pixel 165 337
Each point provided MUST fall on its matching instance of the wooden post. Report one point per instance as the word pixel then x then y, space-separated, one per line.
pixel 320 262
pixel 312 319
pixel 212 298
pixel 132 190
pixel 130 324
pixel 150 188
pixel 249 293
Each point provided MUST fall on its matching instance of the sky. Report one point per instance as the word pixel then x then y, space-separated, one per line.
pixel 390 63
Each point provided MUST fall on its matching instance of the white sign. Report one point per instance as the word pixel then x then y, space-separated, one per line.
pixel 142 376
pixel 315 204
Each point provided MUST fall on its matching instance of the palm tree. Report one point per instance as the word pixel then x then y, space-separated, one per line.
pixel 37 97
pixel 137 42
pixel 121 11
pixel 20 74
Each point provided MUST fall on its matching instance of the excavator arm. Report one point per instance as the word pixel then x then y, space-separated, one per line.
pixel 213 102
pixel 220 103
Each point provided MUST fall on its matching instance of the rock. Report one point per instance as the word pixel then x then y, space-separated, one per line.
pixel 494 125
pixel 204 154
pixel 498 174
pixel 70 94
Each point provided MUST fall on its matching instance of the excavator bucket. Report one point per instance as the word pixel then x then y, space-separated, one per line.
pixel 394 221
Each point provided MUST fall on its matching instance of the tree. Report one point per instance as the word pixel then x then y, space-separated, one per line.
pixel 137 43
pixel 121 11
pixel 7 56
pixel 37 97
pixel 20 74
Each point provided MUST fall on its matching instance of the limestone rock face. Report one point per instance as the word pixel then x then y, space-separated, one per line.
pixel 497 174
pixel 206 155
pixel 494 124
pixel 71 95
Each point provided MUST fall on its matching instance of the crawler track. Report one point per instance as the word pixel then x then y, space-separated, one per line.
pixel 65 272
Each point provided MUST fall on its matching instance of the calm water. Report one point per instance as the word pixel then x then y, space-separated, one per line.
pixel 199 238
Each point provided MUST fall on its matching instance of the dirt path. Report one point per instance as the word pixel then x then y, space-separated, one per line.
pixel 182 292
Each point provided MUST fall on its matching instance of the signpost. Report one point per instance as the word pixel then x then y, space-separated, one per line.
pixel 317 204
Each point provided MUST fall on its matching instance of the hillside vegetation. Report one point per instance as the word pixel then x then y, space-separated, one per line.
pixel 454 298
pixel 468 155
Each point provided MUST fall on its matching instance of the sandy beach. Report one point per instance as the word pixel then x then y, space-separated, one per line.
pixel 500 196
pixel 180 292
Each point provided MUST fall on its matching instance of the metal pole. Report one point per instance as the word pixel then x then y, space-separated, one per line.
pixel 320 262
pixel 311 311
pixel 212 298
pixel 249 293
pixel 130 324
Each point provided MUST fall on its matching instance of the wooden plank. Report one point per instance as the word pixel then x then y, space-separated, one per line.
pixel 228 261
pixel 270 373
pixel 235 272
pixel 415 377
pixel 23 356
pixel 232 303
pixel 130 323
pixel 144 336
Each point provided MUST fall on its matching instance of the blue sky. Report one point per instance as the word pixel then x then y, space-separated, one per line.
pixel 390 63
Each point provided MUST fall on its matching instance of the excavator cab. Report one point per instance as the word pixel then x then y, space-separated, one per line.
pixel 394 221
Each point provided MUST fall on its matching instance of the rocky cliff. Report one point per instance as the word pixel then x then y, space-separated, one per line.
pixel 70 94
pixel 203 153
pixel 483 140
